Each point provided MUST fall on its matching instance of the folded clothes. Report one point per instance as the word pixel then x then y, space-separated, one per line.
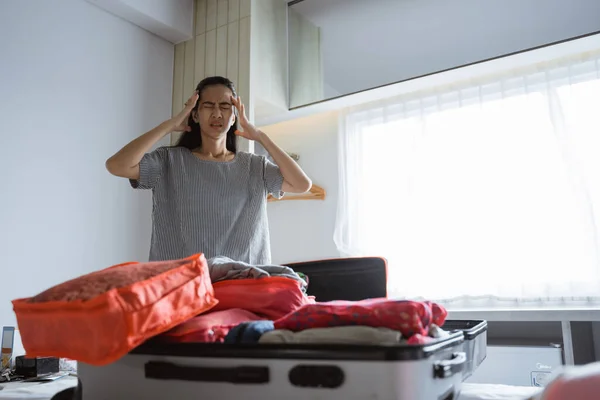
pixel 248 332
pixel 407 317
pixel 210 327
pixel 222 268
pixel 356 335
pixel 269 297
pixel 437 332
pixel 239 301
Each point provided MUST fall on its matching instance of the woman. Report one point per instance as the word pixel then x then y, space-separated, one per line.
pixel 207 197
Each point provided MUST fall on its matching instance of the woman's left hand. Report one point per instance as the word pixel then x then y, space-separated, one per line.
pixel 248 130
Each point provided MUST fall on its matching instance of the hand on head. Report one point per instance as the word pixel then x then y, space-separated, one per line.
pixel 248 130
pixel 181 120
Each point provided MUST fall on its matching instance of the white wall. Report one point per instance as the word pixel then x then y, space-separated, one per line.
pixel 172 20
pixel 370 43
pixel 77 83
pixel 302 230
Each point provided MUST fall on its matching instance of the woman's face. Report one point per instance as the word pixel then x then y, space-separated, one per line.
pixel 215 112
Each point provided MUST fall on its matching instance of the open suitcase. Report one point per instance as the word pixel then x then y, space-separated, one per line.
pixel 276 371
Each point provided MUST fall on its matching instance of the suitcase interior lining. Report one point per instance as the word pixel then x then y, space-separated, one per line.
pixel 345 278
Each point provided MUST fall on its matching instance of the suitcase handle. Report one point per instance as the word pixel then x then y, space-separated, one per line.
pixel 166 370
pixel 448 368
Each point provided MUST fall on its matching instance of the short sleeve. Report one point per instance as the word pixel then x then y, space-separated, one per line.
pixel 152 166
pixel 273 178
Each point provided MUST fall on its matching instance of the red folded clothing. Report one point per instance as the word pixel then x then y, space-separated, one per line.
pixel 408 317
pixel 210 327
pixel 240 300
pixel 271 297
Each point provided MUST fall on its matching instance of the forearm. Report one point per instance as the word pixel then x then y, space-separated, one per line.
pixel 130 156
pixel 295 178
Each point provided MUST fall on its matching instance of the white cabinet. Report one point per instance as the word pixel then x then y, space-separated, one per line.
pixel 518 365
pixel 243 40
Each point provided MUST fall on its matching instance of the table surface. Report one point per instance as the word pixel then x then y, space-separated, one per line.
pixel 527 314
pixel 35 390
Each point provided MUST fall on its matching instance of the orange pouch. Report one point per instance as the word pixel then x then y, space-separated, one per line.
pixel 270 297
pixel 99 317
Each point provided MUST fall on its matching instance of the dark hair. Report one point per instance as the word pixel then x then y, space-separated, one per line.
pixel 193 139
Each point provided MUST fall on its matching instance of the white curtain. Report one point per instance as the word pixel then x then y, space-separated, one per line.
pixel 484 193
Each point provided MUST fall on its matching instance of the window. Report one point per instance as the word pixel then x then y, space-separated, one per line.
pixel 484 194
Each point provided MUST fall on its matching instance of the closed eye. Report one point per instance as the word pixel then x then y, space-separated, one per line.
pixel 222 106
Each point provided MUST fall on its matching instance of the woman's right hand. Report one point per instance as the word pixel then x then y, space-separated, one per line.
pixel 126 162
pixel 180 121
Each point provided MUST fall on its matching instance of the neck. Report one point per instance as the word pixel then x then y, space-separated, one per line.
pixel 213 147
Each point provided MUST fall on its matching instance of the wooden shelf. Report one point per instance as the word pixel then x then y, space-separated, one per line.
pixel 315 193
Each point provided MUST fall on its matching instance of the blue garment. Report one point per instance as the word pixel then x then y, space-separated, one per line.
pixel 248 332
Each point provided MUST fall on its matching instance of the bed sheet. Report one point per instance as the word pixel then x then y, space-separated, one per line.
pixel 484 391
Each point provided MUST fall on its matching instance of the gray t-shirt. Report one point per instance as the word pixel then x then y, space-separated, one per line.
pixel 211 207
